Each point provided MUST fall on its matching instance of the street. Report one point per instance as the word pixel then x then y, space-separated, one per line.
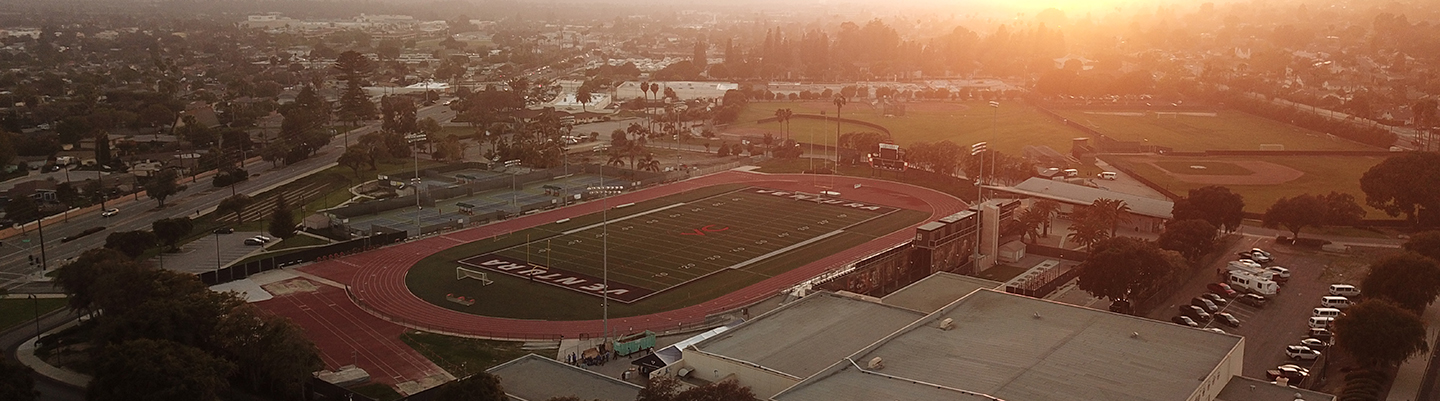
pixel 198 198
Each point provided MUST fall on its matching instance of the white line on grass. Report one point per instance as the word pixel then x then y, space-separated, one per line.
pixel 621 219
pixel 785 249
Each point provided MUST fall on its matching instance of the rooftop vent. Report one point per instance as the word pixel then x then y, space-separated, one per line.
pixel 876 363
pixel 947 324
pixel 1037 315
pixel 1134 334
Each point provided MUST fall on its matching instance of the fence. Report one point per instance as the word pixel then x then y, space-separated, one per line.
pixel 237 272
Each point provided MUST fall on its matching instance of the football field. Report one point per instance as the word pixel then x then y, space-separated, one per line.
pixel 646 253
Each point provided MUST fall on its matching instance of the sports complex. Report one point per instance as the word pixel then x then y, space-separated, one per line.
pixel 665 258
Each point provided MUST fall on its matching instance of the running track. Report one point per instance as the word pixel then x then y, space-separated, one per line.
pixel 377 278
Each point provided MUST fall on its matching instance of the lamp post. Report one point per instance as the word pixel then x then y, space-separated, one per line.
pixel 217 255
pixel 994 127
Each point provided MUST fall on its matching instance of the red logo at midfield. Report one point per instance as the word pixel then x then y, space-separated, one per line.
pixel 706 229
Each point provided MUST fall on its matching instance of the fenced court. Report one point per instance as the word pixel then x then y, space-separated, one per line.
pixel 668 246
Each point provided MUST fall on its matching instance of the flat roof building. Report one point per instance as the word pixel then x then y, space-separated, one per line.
pixel 533 377
pixel 937 290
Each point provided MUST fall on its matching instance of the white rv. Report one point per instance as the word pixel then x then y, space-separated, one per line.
pixel 1246 282
pixel 1251 268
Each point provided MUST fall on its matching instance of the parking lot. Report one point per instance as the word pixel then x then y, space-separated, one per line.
pixel 200 255
pixel 1282 321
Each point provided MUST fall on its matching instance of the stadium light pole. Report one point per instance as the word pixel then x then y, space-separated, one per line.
pixel 994 127
pixel 840 102
pixel 604 257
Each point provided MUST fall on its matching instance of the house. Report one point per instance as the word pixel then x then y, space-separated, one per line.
pixel 39 190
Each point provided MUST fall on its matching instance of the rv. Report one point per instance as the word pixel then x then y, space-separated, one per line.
pixel 1251 268
pixel 1244 281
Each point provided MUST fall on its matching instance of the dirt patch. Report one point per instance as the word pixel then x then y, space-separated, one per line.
pixel 1264 173
pixel 292 286
pixel 1203 168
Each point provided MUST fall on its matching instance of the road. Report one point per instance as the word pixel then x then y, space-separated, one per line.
pixel 16 272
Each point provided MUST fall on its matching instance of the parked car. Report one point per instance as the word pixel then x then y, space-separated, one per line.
pixel 1227 319
pixel 1195 312
pixel 253 241
pixel 1216 329
pixel 1337 302
pixel 1184 321
pixel 1280 272
pixel 1205 304
pixel 1221 289
pixel 1321 334
pixel 1255 300
pixel 224 230
pixel 1301 352
pixel 1320 322
pixel 1288 371
pixel 261 238
pixel 1216 298
pixel 1121 306
pixel 110 212
pixel 1315 343
pixel 1257 254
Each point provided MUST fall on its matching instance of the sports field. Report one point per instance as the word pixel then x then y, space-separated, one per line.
pixel 1200 131
pixel 1261 180
pixel 1008 128
pixel 664 253
pixel 669 246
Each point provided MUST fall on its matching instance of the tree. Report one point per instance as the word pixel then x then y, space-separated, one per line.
pixel 354 158
pixel 1192 238
pixel 1380 334
pixel 169 231
pixel 162 185
pixel 478 387
pixel 1121 267
pixel 282 221
pixel 1214 204
pixel 102 148
pixel 1426 243
pixel 235 204
pixel 355 68
pixel 271 354
pixel 131 243
pixel 22 210
pixel 1307 210
pixel 1408 183
pixel 1087 228
pixel 157 370
pixel 15 381
pixel 79 277
pixel 7 149
pixel 1410 280
pixel 1113 211
pixel 723 151
pixel 583 96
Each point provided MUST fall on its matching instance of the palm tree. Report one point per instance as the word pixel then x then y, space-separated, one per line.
pixel 582 96
pixel 1111 211
pixel 1048 209
pixel 1088 228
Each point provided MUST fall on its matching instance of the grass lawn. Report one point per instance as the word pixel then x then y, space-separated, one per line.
pixel 1229 129
pixel 512 297
pixel 1002 273
pixel 1007 128
pixel 17 309
pixel 462 356
pixel 1323 174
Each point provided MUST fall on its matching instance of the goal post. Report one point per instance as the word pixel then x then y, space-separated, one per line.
pixel 462 273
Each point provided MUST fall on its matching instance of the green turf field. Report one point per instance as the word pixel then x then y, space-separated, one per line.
pixel 1008 128
pixel 663 268
pixel 1322 175
pixel 17 309
pixel 1194 132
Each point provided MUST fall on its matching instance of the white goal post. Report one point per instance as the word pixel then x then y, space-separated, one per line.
pixel 462 273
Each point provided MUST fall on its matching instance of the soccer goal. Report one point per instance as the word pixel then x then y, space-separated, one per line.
pixel 462 273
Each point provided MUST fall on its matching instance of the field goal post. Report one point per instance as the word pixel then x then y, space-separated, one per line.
pixel 462 273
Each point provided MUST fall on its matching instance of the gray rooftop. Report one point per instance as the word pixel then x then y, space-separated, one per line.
pixel 808 335
pixel 1250 389
pixel 1001 348
pixel 533 377
pixel 937 290
pixel 1083 195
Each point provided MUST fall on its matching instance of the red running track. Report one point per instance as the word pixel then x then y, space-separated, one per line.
pixel 347 335
pixel 377 278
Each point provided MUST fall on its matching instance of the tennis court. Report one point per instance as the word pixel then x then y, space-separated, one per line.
pixel 671 245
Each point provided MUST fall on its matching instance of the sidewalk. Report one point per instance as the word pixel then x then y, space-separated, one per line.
pixel 26 354
pixel 1412 372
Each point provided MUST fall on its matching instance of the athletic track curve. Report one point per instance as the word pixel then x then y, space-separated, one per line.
pixel 376 279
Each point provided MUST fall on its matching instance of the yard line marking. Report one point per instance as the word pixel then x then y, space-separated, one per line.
pixel 621 219
pixel 785 249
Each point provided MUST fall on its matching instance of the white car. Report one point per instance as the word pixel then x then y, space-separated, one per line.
pixel 1279 271
pixel 110 212
pixel 1301 352
pixel 261 238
